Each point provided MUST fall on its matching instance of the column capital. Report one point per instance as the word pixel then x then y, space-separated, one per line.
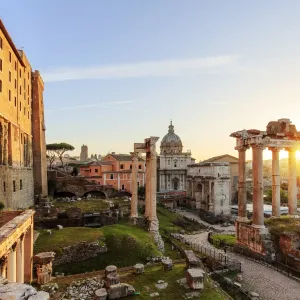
pixel 274 149
pixel 14 246
pixel 134 155
pixel 242 148
pixel 258 146
pixel 290 149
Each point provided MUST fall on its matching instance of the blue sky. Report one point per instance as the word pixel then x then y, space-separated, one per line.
pixel 116 72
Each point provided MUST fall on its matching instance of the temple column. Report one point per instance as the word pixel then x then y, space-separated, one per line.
pixel 12 264
pixel 275 182
pixel 209 193
pixel 152 203
pixel 28 253
pixel 20 260
pixel 242 192
pixel 292 183
pixel 118 180
pixel 258 193
pixel 148 185
pixel 134 185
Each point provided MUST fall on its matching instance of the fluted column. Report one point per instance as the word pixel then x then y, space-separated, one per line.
pixel 148 185
pixel 275 182
pixel 258 193
pixel 242 192
pixel 292 183
pixel 12 264
pixel 134 185
pixel 152 210
pixel 20 260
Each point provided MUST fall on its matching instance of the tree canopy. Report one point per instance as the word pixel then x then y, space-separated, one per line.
pixel 58 149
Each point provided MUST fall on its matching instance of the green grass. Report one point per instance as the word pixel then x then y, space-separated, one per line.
pixel 127 245
pixel 166 219
pixel 66 237
pixel 226 238
pixel 145 284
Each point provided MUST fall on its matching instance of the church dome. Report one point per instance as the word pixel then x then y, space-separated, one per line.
pixel 171 142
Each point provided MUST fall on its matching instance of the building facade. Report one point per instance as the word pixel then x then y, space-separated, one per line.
pixel 234 171
pixel 115 170
pixel 20 103
pixel 173 162
pixel 209 185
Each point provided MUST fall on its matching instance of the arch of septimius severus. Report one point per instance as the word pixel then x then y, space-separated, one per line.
pixel 279 135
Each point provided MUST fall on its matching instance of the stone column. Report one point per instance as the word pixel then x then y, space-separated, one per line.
pixel 28 254
pixel 275 183
pixel 210 196
pixel 12 264
pixel 20 260
pixel 148 185
pixel 258 193
pixel 292 183
pixel 134 185
pixel 193 188
pixel 152 209
pixel 118 180
pixel 242 192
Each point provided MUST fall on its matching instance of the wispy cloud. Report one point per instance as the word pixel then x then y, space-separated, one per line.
pixel 95 105
pixel 163 68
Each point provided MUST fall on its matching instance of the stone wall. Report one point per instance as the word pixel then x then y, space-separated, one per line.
pixel 78 252
pixel 23 197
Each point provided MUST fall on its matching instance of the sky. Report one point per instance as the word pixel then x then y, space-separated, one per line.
pixel 116 72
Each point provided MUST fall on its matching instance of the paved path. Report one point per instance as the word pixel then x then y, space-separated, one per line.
pixel 270 284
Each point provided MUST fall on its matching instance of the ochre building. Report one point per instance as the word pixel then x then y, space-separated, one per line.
pixel 115 170
pixel 22 129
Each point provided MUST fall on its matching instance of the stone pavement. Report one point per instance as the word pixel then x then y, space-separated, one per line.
pixel 270 284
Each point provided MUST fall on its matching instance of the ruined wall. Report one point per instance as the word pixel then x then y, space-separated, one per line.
pixel 78 252
pixel 16 187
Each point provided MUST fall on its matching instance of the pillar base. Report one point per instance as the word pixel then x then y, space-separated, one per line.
pixel 133 220
pixel 153 225
pixel 258 226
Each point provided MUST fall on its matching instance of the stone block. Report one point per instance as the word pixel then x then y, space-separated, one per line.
pixel 195 278
pixel 138 269
pixel 120 290
pixel 167 264
pixel 192 261
pixel 60 227
pixel 237 284
pixel 110 269
pixel 112 279
pixel 101 294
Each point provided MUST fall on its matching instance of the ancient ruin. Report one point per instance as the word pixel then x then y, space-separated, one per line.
pixel 147 147
pixel 16 246
pixel 43 266
pixel 279 135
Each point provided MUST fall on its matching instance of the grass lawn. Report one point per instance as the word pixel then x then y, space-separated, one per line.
pixel 127 245
pixel 66 237
pixel 145 284
pixel 226 238
pixel 166 219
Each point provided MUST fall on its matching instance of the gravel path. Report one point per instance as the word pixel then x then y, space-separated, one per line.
pixel 270 284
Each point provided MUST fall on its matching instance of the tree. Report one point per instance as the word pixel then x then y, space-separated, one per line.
pixel 141 192
pixel 60 149
pixel 50 154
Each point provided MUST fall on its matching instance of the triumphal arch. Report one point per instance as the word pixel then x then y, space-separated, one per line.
pixel 148 147
pixel 279 135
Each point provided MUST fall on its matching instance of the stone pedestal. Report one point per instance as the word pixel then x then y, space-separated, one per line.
pixel 195 278
pixel 167 264
pixel 110 270
pixel 192 261
pixel 112 279
pixel 120 290
pixel 43 263
pixel 101 294
pixel 138 269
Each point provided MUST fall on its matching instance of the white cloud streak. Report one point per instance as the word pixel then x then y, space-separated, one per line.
pixel 164 68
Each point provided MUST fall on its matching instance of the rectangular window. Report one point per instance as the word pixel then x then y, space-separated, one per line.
pixel 20 73
pixel 0 64
pixel 123 187
pixel 15 83
pixel 15 66
pixel 111 176
pixel 9 95
pixel 121 167
pixel 21 184
pixel 1 43
pixel 4 187
pixel 140 167
pixel 9 56
pixel 1 86
pixel 14 186
pixel 9 76
pixel 130 167
pixel 15 101
pixel 96 170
